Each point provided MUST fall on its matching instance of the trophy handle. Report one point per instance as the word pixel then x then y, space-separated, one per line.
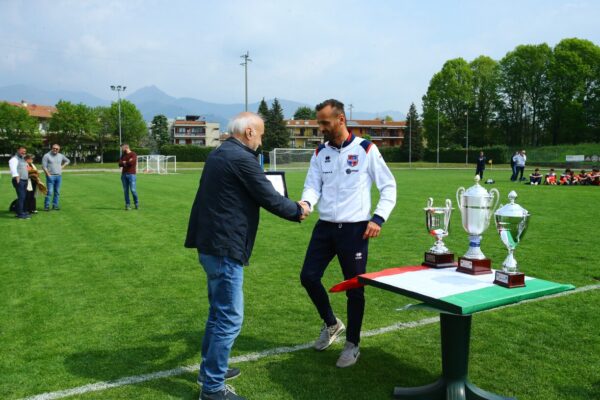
pixel 496 194
pixel 430 202
pixel 459 194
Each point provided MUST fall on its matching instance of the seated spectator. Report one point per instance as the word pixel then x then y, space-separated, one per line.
pixel 566 178
pixel 551 177
pixel 535 178
pixel 583 178
pixel 595 177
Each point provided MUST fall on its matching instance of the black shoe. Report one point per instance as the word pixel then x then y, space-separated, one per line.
pixel 137 207
pixel 23 216
pixel 231 373
pixel 225 394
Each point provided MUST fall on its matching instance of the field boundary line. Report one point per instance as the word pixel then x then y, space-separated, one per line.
pixel 130 380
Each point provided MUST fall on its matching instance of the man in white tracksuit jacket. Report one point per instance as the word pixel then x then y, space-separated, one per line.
pixel 340 176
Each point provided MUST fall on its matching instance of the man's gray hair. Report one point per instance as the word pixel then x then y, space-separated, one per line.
pixel 241 122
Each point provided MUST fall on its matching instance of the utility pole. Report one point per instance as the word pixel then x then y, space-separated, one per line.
pixel 247 59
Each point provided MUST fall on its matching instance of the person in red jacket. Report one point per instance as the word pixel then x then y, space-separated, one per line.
pixel 128 164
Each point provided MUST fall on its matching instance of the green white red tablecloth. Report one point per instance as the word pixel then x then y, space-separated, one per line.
pixel 452 291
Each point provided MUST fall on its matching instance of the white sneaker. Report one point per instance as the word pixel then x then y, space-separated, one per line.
pixel 329 334
pixel 349 355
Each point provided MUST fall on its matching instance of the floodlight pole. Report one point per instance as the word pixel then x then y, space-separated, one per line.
pixel 467 151
pixel 438 134
pixel 119 89
pixel 351 107
pixel 247 59
pixel 410 141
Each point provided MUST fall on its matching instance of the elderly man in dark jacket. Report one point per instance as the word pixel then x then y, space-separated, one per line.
pixel 222 227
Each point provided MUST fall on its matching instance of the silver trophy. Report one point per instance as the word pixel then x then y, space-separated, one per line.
pixel 511 222
pixel 437 220
pixel 476 207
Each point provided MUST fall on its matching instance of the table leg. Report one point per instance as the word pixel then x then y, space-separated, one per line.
pixel 454 384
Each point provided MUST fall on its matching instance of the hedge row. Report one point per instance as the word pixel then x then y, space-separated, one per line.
pixel 186 152
pixel 499 154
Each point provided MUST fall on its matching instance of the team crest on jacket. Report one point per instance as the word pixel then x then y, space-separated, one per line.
pixel 353 160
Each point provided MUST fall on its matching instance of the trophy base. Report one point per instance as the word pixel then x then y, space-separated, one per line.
pixel 508 280
pixel 474 267
pixel 439 260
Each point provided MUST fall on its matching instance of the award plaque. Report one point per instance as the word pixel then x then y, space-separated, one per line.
pixel 277 179
pixel 437 221
pixel 476 207
pixel 511 222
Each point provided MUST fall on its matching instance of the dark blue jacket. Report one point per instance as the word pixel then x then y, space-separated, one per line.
pixel 225 214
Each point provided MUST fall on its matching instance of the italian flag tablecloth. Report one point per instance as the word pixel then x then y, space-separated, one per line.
pixel 452 291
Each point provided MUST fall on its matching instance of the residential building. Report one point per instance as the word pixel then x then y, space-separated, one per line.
pixel 194 131
pixel 305 133
pixel 41 113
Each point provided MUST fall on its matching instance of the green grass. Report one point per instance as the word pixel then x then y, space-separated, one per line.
pixel 93 293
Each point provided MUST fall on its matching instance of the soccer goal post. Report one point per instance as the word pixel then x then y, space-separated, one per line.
pixel 157 164
pixel 280 159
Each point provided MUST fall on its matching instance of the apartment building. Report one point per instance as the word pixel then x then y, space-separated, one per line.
pixel 194 131
pixel 305 133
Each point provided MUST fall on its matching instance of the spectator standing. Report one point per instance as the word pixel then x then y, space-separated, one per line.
pixel 20 176
pixel 128 164
pixel 520 159
pixel 53 164
pixel 222 227
pixel 32 185
pixel 513 166
pixel 481 165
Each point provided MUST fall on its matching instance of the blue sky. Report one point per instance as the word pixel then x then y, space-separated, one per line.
pixel 377 55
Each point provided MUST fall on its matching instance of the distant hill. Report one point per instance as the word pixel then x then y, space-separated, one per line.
pixel 152 101
pixel 48 97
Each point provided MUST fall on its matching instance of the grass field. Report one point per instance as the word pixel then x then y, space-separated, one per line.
pixel 94 293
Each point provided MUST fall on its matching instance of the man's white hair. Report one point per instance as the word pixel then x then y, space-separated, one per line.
pixel 241 122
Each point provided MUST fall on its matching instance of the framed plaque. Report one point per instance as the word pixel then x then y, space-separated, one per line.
pixel 277 179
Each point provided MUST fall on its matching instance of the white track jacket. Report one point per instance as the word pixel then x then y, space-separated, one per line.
pixel 342 180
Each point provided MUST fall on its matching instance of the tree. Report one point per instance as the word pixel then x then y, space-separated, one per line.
pixel 525 88
pixel 17 128
pixel 574 76
pixel 451 90
pixel 103 133
pixel 486 102
pixel 413 139
pixel 276 133
pixel 263 109
pixel 305 113
pixel 388 118
pixel 133 126
pixel 74 126
pixel 159 129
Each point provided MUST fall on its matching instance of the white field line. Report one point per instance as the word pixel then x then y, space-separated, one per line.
pixel 131 380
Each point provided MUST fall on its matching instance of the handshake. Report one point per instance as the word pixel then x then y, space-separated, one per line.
pixel 305 210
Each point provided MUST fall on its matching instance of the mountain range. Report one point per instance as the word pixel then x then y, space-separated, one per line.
pixel 152 101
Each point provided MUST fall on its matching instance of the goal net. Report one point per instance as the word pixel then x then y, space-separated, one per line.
pixel 157 164
pixel 280 159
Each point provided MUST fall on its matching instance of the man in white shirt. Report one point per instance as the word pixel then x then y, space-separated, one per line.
pixel 20 176
pixel 340 176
